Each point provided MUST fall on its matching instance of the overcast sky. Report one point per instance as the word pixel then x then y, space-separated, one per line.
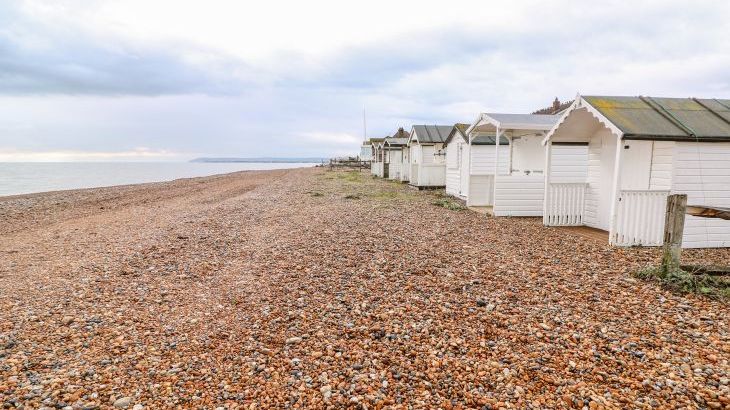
pixel 175 79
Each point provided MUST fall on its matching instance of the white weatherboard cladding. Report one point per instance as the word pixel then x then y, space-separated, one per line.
pixel 598 195
pixel 605 184
pixel 453 171
pixel 480 183
pixel 661 165
pixel 594 180
pixel 379 169
pixel 569 164
pixel 464 169
pixel 522 195
pixel 415 154
pixel 702 171
pixel 457 168
pixel 405 165
pixel 481 190
pixel 528 155
pixel 636 164
pixel 431 175
pixel 396 164
pixel 427 168
pixel 519 195
pixel 483 156
pixel 427 152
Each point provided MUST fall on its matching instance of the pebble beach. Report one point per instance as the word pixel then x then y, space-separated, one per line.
pixel 309 288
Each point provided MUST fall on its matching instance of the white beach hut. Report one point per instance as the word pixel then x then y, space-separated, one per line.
pixel 376 164
pixel 457 161
pixel 406 164
pixel 641 149
pixel 393 151
pixel 470 164
pixel 427 158
pixel 366 151
pixel 376 167
pixel 516 186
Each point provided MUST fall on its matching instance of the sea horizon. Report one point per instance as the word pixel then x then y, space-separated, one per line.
pixel 22 178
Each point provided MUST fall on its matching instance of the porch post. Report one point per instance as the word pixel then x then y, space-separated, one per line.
pixel 509 158
pixel 616 192
pixel 546 175
pixel 468 174
pixel 497 135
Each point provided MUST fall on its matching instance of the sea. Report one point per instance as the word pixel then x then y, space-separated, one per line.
pixel 31 177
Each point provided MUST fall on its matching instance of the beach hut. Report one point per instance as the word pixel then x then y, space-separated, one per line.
pixel 366 151
pixel 457 161
pixel 516 186
pixel 642 149
pixel 394 148
pixel 427 159
pixel 376 162
pixel 470 163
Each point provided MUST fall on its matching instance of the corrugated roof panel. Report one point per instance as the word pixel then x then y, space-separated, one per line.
pixel 458 128
pixel 719 107
pixel 516 120
pixel 396 141
pixel 633 116
pixel 430 134
pixel 683 119
pixel 488 140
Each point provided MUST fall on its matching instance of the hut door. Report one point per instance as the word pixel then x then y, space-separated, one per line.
pixel 608 162
pixel 463 170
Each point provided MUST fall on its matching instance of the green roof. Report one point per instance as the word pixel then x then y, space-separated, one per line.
pixel 461 129
pixel 671 119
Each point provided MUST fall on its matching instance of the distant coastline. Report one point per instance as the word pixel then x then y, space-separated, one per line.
pixel 310 160
pixel 31 177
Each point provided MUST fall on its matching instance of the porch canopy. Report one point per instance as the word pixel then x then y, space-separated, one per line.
pixel 395 143
pixel 493 123
pixel 645 118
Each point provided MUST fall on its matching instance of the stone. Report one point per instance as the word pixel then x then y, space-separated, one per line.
pixel 123 403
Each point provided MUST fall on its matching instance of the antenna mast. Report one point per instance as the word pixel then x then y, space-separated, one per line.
pixel 364 125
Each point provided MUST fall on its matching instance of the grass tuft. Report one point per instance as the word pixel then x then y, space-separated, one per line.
pixel 352 196
pixel 350 176
pixel 688 282
pixel 447 203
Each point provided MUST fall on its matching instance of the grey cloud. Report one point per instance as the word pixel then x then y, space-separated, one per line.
pixel 441 75
pixel 69 62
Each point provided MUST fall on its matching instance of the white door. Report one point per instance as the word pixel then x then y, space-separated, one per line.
pixel 636 164
pixel 608 163
pixel 464 170
pixel 427 154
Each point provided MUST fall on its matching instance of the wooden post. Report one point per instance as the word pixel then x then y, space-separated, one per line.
pixel 673 231
pixel 497 136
